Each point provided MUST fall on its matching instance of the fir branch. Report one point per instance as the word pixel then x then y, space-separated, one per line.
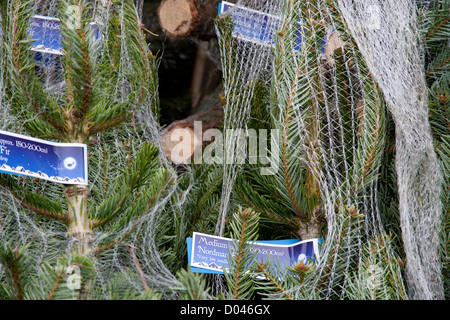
pixel 437 28
pixel 212 187
pixel 111 243
pixel 244 228
pixel 341 254
pixel 17 266
pixel 442 64
pixel 138 266
pixel 131 218
pixel 133 178
pixel 95 127
pixel 278 287
pixel 80 66
pixel 191 286
pixel 295 111
pixel 37 203
pixel 286 64
pixel 378 276
pixel 285 160
pixel 51 282
pixel 26 93
pixel 56 284
pixel 247 195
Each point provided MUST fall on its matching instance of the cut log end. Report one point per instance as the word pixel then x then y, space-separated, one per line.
pixel 178 18
pixel 182 140
pixel 179 143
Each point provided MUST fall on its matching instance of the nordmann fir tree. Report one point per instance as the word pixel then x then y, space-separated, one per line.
pixel 88 107
pixel 365 261
pixel 333 104
pixel 331 118
pixel 357 257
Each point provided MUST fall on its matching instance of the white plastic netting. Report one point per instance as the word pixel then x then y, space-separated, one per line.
pixel 138 262
pixel 241 70
pixel 381 42
pixel 286 70
pixel 379 35
pixel 394 55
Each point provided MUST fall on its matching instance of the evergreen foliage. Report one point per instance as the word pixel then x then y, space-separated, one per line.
pixel 132 189
pixel 86 110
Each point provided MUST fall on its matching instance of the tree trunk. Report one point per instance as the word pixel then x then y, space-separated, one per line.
pixel 79 225
pixel 183 18
pixel 187 136
pixel 206 76
pixel 311 230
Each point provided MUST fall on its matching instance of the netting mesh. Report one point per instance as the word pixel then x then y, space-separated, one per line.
pixel 242 65
pixel 372 47
pixel 395 58
pixel 321 131
pixel 109 153
pixel 342 133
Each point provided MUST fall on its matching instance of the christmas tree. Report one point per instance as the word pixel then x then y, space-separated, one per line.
pixel 305 137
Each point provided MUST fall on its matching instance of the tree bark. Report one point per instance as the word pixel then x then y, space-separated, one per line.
pixel 206 76
pixel 334 41
pixel 310 230
pixel 188 18
pixel 186 135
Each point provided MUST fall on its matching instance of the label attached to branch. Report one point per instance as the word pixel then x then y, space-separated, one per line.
pixel 58 162
pixel 46 35
pixel 254 26
pixel 210 254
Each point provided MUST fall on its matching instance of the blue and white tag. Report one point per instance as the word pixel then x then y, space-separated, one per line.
pixel 209 254
pixel 58 162
pixel 46 35
pixel 251 25
pixel 254 26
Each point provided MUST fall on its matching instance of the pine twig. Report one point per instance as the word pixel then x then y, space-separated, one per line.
pixel 261 267
pixel 138 266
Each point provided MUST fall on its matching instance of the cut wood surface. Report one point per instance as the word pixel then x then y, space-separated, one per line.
pixel 183 18
pixel 181 138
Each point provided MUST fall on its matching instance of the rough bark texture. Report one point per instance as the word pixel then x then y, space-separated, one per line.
pixel 310 230
pixel 206 76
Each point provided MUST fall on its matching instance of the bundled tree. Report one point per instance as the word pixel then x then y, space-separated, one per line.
pixel 331 173
pixel 332 122
pixel 92 101
pixel 330 116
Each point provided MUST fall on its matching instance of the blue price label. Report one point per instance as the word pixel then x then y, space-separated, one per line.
pixel 58 162
pixel 209 254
